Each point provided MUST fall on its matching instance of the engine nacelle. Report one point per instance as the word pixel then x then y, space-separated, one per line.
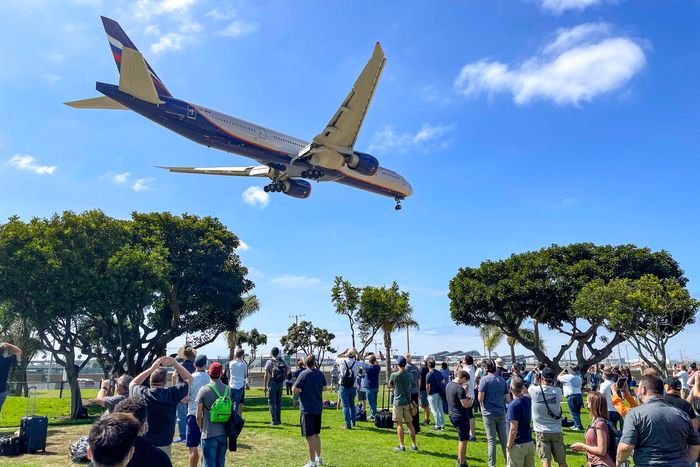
pixel 296 188
pixel 363 163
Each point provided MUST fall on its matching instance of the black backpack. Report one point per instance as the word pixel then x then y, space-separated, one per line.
pixel 348 379
pixel 279 371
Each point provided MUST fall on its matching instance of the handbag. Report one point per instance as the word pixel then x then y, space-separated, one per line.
pixel 413 407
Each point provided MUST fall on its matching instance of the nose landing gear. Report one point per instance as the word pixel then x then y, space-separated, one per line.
pixel 398 203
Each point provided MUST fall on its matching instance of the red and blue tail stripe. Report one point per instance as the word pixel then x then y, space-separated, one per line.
pixel 117 41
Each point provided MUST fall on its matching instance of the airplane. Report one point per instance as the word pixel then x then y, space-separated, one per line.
pixel 287 161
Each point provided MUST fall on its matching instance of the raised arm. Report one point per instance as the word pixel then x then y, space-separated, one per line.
pixel 13 348
pixel 181 370
pixel 141 377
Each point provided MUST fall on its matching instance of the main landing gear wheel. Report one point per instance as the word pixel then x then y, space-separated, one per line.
pixel 398 204
pixel 276 187
pixel 313 174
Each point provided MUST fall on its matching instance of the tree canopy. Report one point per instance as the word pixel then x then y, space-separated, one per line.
pixel 539 287
pixel 306 337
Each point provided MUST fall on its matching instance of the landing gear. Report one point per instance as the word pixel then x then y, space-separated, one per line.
pixel 398 204
pixel 313 174
pixel 275 187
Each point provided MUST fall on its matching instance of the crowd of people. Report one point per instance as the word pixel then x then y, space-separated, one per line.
pixel 655 421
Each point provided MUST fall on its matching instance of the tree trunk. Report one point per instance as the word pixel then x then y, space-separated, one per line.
pixel 76 400
pixel 387 347
pixel 512 354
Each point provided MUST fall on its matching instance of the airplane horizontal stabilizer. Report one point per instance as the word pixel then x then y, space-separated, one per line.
pixel 258 171
pixel 102 102
pixel 135 79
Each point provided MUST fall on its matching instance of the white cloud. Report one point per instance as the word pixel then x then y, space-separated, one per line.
pixel 255 196
pixel 51 78
pixel 142 184
pixel 292 280
pixel 144 10
pixel 215 14
pixel 25 162
pixel 558 7
pixel 169 41
pixel 152 30
pixel 121 178
pixel 238 28
pixel 388 140
pixel 577 65
pixel 243 246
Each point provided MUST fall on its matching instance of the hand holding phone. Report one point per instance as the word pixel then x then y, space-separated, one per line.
pixel 621 382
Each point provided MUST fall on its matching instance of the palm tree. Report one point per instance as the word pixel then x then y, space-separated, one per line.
pixel 400 322
pixel 527 335
pixel 251 305
pixel 491 336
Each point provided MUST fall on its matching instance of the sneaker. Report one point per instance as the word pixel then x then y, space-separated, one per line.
pixel 472 438
pixel 414 448
pixel 310 464
pixel 319 460
pixel 399 449
pixel 436 428
pixel 442 428
pixel 426 422
pixel 179 440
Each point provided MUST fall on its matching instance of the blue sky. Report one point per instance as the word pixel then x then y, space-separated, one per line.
pixel 518 123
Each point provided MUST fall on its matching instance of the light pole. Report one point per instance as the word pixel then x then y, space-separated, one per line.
pixel 296 323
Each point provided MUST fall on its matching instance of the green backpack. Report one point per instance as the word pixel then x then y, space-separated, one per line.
pixel 222 407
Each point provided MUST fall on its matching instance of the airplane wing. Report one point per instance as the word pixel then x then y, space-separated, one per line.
pixel 334 144
pixel 257 171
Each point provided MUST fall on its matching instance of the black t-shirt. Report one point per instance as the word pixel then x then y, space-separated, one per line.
pixel 162 404
pixel 455 393
pixel 189 366
pixel 311 382
pixel 681 404
pixel 147 455
pixel 423 374
pixel 5 364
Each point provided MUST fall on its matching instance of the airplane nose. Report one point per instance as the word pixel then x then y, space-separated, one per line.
pixel 409 188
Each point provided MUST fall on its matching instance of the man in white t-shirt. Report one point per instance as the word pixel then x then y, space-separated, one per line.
pixel 200 378
pixel 606 388
pixel 571 381
pixel 238 372
pixel 468 366
pixel 546 420
pixel 682 374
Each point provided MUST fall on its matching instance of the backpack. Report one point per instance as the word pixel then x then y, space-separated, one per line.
pixel 348 379
pixel 220 411
pixel 613 437
pixel 279 371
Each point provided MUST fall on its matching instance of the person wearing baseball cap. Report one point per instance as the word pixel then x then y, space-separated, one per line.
pixel 546 420
pixel 193 437
pixel 673 388
pixel 214 439
pixel 400 382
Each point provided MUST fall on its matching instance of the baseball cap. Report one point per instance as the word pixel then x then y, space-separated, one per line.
pixel 215 369
pixel 674 383
pixel 200 361
pixel 548 374
pixel 499 361
pixel 401 361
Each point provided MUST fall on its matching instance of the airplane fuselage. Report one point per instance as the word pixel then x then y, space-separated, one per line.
pixel 268 147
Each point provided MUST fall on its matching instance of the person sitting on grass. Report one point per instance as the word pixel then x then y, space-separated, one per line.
pixel 400 382
pixel 111 440
pixel 121 389
pixel 161 401
pixel 309 386
pixel 459 400
pixel 145 454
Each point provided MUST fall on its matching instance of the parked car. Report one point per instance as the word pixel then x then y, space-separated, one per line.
pixel 87 383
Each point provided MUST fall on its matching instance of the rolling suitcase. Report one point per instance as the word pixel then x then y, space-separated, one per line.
pixel 383 417
pixel 10 446
pixel 33 430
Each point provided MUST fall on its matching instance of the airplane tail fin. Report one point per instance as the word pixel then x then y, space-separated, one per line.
pixel 118 40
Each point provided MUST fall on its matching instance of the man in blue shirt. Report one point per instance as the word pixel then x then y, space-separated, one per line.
pixel 5 364
pixel 521 449
pixel 493 396
pixel 372 384
pixel 309 385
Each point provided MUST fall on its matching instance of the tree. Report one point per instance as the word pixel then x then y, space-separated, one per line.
pixel 387 309
pixel 254 339
pixel 346 299
pixel 529 336
pixel 16 329
pixel 539 287
pixel 491 336
pixel 251 305
pixel 648 312
pixel 306 337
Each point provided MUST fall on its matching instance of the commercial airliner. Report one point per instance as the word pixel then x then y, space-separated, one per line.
pixel 287 161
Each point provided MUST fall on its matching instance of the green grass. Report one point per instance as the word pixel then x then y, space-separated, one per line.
pixel 261 445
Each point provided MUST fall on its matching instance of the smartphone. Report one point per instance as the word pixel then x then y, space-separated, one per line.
pixel 621 381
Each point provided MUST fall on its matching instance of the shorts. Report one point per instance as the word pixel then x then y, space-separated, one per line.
pixel 402 414
pixel 310 424
pixel 551 445
pixel 424 399
pixel 462 426
pixel 470 412
pixel 238 395
pixel 194 434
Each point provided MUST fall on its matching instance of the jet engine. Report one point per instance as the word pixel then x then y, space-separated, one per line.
pixel 362 163
pixel 296 188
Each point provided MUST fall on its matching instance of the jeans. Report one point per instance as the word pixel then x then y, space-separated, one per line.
pixel 347 396
pixel 435 402
pixel 214 451
pixel 182 420
pixel 372 400
pixel 237 395
pixel 495 425
pixel 575 402
pixel 3 396
pixel 274 394
pixel 616 420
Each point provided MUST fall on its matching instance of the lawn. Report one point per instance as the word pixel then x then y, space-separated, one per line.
pixel 261 445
